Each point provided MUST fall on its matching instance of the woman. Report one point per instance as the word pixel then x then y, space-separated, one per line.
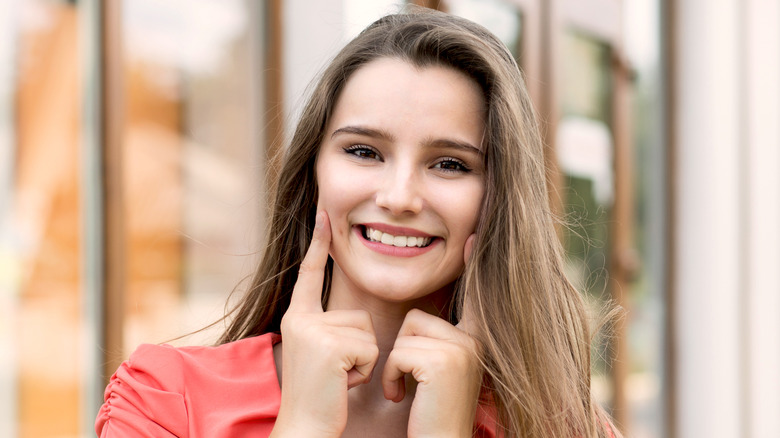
pixel 442 310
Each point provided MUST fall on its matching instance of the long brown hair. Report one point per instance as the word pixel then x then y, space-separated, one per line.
pixel 531 322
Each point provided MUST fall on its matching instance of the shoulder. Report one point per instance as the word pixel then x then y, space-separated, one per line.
pixel 193 388
pixel 167 367
pixel 239 358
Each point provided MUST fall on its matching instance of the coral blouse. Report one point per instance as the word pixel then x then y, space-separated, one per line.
pixel 226 391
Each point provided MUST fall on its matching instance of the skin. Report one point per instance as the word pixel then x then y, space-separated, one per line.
pixel 403 149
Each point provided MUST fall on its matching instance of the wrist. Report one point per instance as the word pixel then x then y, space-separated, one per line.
pixel 300 429
pixel 299 426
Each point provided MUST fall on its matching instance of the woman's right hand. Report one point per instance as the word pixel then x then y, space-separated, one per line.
pixel 323 353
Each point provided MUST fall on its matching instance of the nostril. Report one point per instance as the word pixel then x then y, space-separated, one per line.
pixel 400 193
pixel 400 203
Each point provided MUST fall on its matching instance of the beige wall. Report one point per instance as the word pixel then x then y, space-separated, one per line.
pixel 725 106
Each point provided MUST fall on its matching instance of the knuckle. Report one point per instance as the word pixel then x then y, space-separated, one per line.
pixel 440 361
pixel 401 342
pixel 454 357
pixel 415 314
pixel 373 352
pixel 392 359
pixel 365 318
pixel 468 343
pixel 291 323
pixel 307 267
pixel 286 322
pixel 329 344
pixel 317 239
pixel 466 359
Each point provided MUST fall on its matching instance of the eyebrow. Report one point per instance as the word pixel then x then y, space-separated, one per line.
pixel 386 136
pixel 454 144
pixel 361 130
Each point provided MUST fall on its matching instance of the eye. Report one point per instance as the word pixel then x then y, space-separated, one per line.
pixel 363 151
pixel 451 165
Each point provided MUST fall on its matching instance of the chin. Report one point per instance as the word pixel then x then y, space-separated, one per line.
pixel 405 292
pixel 417 286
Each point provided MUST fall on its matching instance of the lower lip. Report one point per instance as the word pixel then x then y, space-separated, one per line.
pixel 395 251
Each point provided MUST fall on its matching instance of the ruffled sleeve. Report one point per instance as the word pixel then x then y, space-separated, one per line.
pixel 216 392
pixel 145 397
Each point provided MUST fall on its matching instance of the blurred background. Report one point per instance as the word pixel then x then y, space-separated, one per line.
pixel 135 138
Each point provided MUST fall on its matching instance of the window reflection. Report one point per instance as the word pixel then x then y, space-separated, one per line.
pixel 501 17
pixel 43 285
pixel 191 162
pixel 8 238
pixel 586 84
pixel 585 155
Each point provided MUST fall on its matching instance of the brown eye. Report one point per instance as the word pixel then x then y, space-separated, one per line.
pixel 451 165
pixel 363 151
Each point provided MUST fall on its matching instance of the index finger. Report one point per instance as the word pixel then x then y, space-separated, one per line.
pixel 467 318
pixel 307 293
pixel 467 315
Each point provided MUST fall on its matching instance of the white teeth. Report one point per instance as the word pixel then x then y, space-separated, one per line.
pixel 399 241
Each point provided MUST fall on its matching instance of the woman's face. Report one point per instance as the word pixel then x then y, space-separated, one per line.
pixel 401 176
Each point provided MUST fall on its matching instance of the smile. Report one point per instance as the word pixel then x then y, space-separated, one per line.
pixel 375 235
pixel 401 244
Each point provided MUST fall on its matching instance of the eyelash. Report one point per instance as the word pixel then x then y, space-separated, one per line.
pixel 461 166
pixel 362 151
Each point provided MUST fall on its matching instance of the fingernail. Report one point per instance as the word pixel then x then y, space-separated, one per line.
pixel 318 220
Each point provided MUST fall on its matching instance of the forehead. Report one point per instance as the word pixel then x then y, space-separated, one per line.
pixel 396 96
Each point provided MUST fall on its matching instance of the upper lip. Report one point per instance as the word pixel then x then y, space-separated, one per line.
pixel 396 231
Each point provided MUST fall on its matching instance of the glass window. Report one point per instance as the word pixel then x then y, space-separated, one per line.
pixel 8 238
pixel 502 18
pixel 585 155
pixel 40 243
pixel 193 163
pixel 645 332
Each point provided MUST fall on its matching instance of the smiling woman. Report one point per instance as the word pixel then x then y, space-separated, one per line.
pixel 397 162
pixel 413 282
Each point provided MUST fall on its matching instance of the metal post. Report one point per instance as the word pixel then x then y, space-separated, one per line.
pixel 90 12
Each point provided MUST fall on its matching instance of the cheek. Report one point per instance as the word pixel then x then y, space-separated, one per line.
pixel 338 195
pixel 337 190
pixel 463 209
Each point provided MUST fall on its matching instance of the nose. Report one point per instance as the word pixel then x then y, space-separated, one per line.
pixel 400 191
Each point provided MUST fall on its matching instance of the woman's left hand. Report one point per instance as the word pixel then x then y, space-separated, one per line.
pixel 444 361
